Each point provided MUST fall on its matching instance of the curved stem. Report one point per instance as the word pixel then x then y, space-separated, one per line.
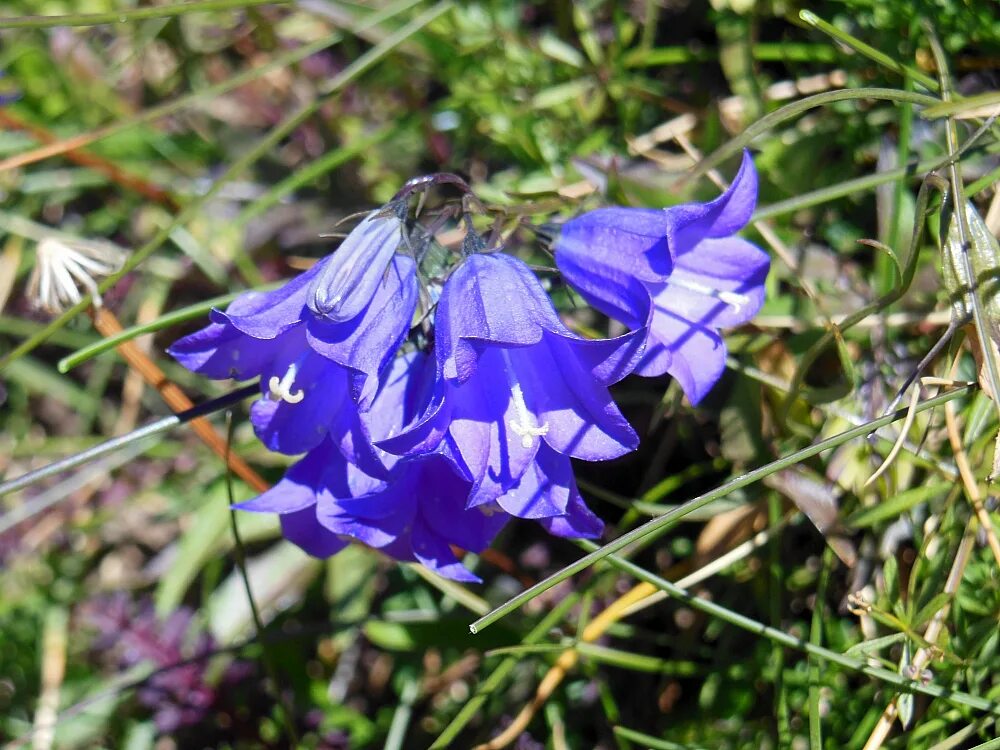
pixel 661 524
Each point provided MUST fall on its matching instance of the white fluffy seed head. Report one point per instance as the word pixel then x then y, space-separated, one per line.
pixel 64 267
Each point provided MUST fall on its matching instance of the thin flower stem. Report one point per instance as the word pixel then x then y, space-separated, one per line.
pixel 659 525
pixel 796 108
pixel 172 318
pixel 117 443
pixel 264 146
pixel 779 636
pixel 240 556
pixel 133 14
pixel 816 639
pixel 403 714
pixel 868 51
pixel 984 329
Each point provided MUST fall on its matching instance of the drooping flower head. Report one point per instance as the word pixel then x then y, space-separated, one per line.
pixel 319 342
pixel 517 393
pixel 680 272
pixel 478 420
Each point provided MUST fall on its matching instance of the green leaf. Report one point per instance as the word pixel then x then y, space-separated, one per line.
pixel 893 507
pixel 875 644
pixel 890 571
pixel 930 609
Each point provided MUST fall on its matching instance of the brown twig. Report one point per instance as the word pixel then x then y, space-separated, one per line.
pixel 74 152
pixel 107 325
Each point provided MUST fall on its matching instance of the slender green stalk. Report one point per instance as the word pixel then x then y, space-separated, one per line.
pixel 868 51
pixel 264 146
pixel 869 182
pixel 775 584
pixel 403 714
pixel 132 14
pixel 661 524
pixel 117 443
pixel 816 639
pixel 172 318
pixel 648 741
pixel 796 108
pixel 984 328
pixel 712 609
pixel 240 556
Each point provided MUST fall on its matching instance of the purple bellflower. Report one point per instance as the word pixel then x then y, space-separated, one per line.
pixel 516 394
pixel 679 273
pixel 418 453
pixel 414 511
pixel 319 342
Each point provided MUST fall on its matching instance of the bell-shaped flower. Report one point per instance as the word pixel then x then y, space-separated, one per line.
pixel 679 272
pixel 516 394
pixel 416 511
pixel 319 342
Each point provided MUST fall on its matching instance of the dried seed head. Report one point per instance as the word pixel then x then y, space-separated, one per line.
pixel 64 266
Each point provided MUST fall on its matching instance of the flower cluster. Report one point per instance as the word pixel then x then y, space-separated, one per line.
pixel 427 430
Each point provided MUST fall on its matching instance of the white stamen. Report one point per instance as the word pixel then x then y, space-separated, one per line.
pixel 735 299
pixel 524 424
pixel 281 390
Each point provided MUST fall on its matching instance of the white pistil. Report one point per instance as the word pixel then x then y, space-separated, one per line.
pixel 524 425
pixel 281 390
pixel 735 299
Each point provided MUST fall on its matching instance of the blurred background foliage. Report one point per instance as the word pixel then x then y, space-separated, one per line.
pixel 126 567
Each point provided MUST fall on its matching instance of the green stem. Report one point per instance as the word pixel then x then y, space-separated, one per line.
pixel 796 108
pixel 662 523
pixel 868 51
pixel 133 14
pixel 172 318
pixel 240 555
pixel 816 639
pixel 779 636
